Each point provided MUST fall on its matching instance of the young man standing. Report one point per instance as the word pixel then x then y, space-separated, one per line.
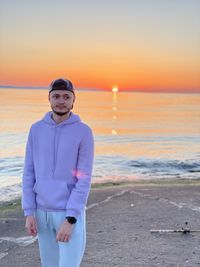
pixel 57 178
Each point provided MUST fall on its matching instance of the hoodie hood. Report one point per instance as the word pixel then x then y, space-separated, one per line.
pixel 73 118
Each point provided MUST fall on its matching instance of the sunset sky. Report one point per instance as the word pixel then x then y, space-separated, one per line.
pixel 142 45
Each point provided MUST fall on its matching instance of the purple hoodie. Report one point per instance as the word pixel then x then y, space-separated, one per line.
pixel 58 166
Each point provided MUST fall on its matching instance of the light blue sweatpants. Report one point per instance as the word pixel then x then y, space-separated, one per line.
pixel 59 254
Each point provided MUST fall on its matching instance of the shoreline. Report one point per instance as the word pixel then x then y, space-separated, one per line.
pixel 164 182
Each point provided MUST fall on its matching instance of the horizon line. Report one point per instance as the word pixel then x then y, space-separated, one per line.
pixel 156 90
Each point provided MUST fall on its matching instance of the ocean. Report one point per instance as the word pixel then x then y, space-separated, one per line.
pixel 138 136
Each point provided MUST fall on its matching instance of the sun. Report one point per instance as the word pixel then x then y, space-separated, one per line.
pixel 115 89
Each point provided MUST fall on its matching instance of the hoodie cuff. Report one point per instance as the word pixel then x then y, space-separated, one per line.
pixel 29 212
pixel 72 213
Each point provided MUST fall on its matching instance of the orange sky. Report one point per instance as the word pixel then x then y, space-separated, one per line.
pixel 142 45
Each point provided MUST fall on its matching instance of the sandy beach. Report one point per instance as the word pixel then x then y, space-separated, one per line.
pixel 119 220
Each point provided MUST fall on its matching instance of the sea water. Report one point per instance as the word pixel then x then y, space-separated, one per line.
pixel 137 135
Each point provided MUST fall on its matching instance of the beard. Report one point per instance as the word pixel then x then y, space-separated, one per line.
pixel 62 113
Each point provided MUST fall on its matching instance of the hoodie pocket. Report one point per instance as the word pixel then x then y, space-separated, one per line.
pixel 52 194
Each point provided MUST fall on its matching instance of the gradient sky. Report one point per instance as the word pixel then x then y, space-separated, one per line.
pixel 133 44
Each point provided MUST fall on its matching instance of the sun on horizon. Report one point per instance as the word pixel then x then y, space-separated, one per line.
pixel 115 89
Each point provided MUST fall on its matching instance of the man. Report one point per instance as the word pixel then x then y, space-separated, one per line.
pixel 57 178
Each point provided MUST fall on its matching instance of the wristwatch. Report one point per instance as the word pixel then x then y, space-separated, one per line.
pixel 71 220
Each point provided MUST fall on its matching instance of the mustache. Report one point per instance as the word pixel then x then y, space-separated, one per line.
pixel 61 113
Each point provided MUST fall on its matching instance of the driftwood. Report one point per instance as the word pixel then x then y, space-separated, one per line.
pixel 184 230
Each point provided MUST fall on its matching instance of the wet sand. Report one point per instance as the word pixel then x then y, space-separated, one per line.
pixel 119 220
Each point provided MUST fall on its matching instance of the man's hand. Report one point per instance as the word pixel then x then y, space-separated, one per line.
pixel 31 225
pixel 64 232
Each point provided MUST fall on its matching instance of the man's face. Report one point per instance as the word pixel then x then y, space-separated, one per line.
pixel 61 101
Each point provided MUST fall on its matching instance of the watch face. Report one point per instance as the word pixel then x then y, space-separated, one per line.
pixel 71 220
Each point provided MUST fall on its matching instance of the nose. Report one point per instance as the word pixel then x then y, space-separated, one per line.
pixel 61 101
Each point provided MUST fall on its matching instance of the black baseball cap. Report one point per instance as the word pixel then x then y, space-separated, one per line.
pixel 61 84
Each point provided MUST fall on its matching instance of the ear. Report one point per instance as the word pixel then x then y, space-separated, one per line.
pixel 74 98
pixel 49 97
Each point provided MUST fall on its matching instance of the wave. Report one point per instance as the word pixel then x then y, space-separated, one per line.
pixel 147 167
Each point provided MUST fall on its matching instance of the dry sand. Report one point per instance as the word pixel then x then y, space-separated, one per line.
pixel 119 220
